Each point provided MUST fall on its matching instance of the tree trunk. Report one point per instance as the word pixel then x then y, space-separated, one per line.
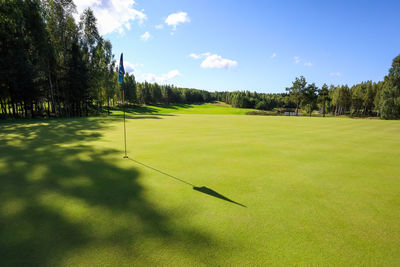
pixel 13 107
pixel 52 94
pixel 32 110
pixel 3 107
pixel 59 103
pixel 9 104
pixel 25 108
pixel 48 108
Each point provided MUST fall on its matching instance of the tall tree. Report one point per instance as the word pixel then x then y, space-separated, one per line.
pixel 94 56
pixel 310 97
pixel 369 98
pixel 296 91
pixel 390 105
pixel 357 97
pixel 323 97
pixel 109 80
pixel 129 87
pixel 22 54
pixel 378 97
pixel 341 99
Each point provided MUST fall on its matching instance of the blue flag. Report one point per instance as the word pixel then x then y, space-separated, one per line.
pixel 121 70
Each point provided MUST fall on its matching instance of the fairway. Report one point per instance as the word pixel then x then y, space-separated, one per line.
pixel 315 191
pixel 207 108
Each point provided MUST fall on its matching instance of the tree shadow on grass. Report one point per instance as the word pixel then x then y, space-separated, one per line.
pixel 66 202
pixel 143 110
pixel 175 106
pixel 138 117
pixel 136 109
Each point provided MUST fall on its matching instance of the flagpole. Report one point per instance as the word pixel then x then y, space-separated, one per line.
pixel 121 73
pixel 123 97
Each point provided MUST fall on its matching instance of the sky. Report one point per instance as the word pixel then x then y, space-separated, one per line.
pixel 222 45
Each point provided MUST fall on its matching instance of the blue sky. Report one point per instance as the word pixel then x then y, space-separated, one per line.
pixel 251 45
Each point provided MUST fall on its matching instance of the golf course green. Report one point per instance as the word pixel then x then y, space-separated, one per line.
pixel 269 191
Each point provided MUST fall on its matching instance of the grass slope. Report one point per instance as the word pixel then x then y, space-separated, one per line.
pixel 210 108
pixel 318 191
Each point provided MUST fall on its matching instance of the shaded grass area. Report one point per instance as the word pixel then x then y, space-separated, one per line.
pixel 66 201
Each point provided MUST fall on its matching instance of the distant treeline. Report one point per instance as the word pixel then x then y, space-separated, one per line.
pixel 364 99
pixel 152 93
pixel 53 66
pixel 380 99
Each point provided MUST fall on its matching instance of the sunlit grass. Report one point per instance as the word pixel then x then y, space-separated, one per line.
pixel 317 191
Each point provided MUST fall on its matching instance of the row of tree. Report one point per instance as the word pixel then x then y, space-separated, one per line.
pixel 380 99
pixel 49 64
pixel 153 93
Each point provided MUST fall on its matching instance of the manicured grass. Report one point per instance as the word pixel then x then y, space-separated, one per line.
pixel 210 108
pixel 317 191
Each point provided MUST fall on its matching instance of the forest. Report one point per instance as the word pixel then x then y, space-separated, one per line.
pixel 54 66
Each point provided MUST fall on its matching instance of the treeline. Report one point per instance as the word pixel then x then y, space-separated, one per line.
pixel 52 65
pixel 153 93
pixel 247 99
pixel 368 98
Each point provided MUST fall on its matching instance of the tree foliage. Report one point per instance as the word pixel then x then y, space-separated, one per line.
pixel 390 96
pixel 297 91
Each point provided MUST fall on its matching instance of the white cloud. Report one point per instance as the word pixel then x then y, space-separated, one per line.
pixel 177 18
pixel 162 78
pixel 296 59
pixel 195 56
pixel 129 67
pixel 337 74
pixel 308 64
pixel 112 15
pixel 214 61
pixel 273 55
pixel 217 62
pixel 132 68
pixel 172 74
pixel 145 36
pixel 159 26
pixel 87 3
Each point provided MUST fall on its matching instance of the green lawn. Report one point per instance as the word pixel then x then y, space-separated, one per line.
pixel 216 108
pixel 317 191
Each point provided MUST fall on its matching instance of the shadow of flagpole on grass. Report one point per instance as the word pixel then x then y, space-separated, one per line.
pixel 213 193
pixel 203 189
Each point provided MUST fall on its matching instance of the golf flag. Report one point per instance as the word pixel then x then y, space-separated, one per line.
pixel 121 70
